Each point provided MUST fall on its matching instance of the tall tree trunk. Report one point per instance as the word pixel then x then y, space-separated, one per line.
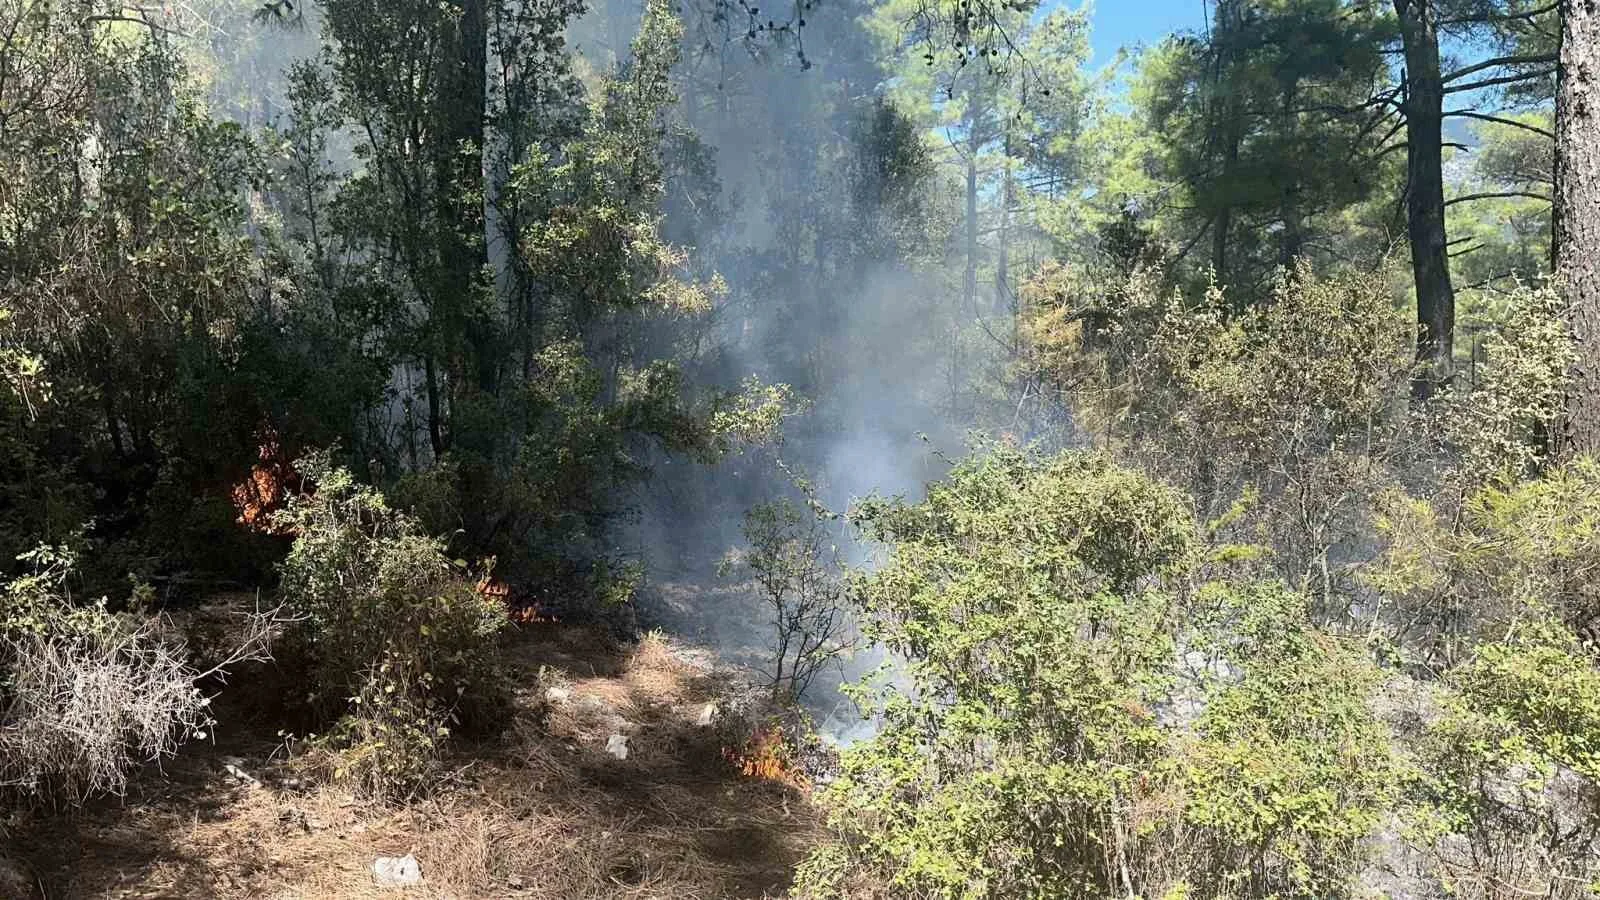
pixel 430 374
pixel 1002 273
pixel 970 281
pixel 1423 108
pixel 472 359
pixel 1228 127
pixel 1578 197
pixel 1292 241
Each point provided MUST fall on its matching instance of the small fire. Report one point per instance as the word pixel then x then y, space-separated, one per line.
pixel 521 612
pixel 767 756
pixel 533 615
pixel 264 491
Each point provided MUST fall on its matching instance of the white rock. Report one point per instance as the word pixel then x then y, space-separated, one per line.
pixel 617 745
pixel 396 871
pixel 706 715
pixel 558 694
pixel 240 775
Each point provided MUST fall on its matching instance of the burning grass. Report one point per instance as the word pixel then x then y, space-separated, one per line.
pixel 542 813
pixel 768 756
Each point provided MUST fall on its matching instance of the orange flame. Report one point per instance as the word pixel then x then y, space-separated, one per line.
pixel 767 756
pixel 520 612
pixel 533 615
pixel 265 489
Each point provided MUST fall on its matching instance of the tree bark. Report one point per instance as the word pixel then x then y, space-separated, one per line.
pixel 1423 108
pixel 970 281
pixel 472 360
pixel 1578 198
pixel 1002 274
pixel 1229 127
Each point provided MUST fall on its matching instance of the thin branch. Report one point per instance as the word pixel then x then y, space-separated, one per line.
pixel 1468 114
pixel 135 20
pixel 1491 195
pixel 1503 79
pixel 1502 17
pixel 1488 281
pixel 1541 59
pixel 1390 149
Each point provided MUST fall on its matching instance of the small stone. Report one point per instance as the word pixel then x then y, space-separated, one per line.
pixel 558 694
pixel 240 775
pixel 514 881
pixel 396 871
pixel 617 745
pixel 708 713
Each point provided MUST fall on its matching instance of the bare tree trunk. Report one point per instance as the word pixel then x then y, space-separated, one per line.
pixel 1002 274
pixel 970 281
pixel 1423 108
pixel 1578 198
pixel 435 414
pixel 1226 108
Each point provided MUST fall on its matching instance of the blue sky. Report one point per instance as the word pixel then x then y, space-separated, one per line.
pixel 1118 23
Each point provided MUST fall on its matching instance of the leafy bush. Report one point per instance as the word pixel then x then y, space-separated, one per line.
pixel 1506 738
pixel 1510 761
pixel 1297 402
pixel 1499 426
pixel 401 645
pixel 1077 722
pixel 1288 772
pixel 796 571
pixel 1507 553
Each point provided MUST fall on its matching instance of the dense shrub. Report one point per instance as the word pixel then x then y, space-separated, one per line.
pixel 1507 732
pixel 400 644
pixel 1079 723
pixel 1296 403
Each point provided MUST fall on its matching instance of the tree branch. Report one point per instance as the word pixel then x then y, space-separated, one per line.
pixel 1503 79
pixel 1469 114
pixel 1541 59
pixel 1491 195
pixel 1502 17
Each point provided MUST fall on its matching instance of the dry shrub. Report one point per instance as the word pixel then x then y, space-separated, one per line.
pixel 89 695
pixel 85 708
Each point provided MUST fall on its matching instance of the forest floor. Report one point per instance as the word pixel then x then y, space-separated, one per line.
pixel 543 811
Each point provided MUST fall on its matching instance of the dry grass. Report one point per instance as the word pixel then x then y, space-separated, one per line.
pixel 545 813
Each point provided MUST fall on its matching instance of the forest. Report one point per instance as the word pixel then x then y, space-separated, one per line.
pixel 843 449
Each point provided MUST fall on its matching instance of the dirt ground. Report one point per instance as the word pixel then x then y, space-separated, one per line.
pixel 542 812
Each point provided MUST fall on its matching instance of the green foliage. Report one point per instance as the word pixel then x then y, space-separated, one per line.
pixel 401 645
pixel 539 388
pixel 128 279
pixel 1508 555
pixel 1071 721
pixel 1504 235
pixel 1509 768
pixel 1500 423
pixel 1289 772
pixel 1296 401
pixel 1020 596
pixel 1259 124
pixel 1490 600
